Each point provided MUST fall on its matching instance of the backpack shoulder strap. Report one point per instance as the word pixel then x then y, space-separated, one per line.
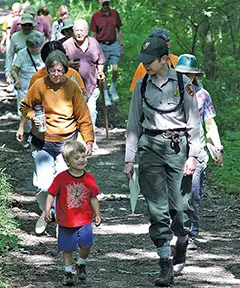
pixel 161 111
pixel 180 84
pixel 143 86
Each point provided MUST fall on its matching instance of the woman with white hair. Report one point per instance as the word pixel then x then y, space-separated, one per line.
pixel 27 62
pixel 90 63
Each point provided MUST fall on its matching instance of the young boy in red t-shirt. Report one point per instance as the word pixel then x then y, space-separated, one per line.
pixel 75 190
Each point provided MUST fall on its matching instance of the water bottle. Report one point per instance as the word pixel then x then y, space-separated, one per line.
pixel 40 114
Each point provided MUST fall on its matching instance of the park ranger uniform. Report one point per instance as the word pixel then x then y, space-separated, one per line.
pixel 163 140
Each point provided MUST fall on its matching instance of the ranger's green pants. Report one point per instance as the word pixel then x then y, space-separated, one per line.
pixel 167 192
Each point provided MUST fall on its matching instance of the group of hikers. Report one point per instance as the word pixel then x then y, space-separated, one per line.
pixel 56 69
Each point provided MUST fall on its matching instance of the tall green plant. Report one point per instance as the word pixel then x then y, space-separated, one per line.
pixel 7 224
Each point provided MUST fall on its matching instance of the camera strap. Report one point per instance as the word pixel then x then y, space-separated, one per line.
pixel 30 55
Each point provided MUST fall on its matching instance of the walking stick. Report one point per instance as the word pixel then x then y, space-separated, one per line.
pixel 104 107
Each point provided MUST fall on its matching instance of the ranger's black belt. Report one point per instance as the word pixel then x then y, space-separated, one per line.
pixel 165 133
pixel 106 42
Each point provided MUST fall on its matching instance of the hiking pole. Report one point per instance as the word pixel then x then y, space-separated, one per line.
pixel 104 108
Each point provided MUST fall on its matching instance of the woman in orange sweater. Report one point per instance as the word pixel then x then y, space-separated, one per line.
pixel 66 113
pixel 72 74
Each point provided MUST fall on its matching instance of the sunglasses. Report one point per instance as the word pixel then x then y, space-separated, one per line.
pixel 63 14
pixel 27 25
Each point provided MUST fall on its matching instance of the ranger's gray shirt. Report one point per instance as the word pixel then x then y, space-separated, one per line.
pixel 163 96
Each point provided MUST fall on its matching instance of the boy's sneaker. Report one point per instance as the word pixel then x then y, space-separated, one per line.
pixel 166 277
pixel 179 257
pixel 68 279
pixel 81 271
pixel 41 224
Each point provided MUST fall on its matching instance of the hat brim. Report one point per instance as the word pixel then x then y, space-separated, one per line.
pixel 66 27
pixel 145 58
pixel 197 73
pixel 27 22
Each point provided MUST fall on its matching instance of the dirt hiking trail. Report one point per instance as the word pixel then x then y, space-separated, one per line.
pixel 123 255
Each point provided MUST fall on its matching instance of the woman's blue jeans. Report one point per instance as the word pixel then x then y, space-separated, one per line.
pixel 197 189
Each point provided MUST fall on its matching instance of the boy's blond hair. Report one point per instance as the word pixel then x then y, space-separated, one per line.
pixel 71 147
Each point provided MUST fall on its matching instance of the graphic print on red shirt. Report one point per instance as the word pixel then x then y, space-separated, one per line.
pixel 73 195
pixel 77 195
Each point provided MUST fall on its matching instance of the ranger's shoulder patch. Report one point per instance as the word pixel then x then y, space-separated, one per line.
pixel 190 89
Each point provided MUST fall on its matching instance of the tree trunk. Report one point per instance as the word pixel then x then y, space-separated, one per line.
pixel 208 48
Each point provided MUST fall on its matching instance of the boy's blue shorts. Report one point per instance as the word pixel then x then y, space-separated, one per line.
pixel 70 238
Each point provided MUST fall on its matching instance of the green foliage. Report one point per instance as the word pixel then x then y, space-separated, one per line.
pixel 209 29
pixel 226 178
pixel 7 225
pixel 5 188
pixel 3 285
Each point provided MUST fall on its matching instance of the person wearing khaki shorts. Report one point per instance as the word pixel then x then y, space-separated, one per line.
pixel 105 27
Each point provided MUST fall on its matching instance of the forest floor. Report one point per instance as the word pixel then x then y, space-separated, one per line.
pixel 123 255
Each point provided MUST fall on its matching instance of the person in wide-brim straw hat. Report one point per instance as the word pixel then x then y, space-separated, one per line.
pixel 27 19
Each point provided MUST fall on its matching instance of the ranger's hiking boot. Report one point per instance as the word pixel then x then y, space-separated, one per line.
pixel 166 277
pixel 179 257
pixel 81 272
pixel 68 279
